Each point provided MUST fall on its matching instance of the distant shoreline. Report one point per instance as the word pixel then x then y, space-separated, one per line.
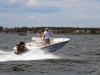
pixel 58 30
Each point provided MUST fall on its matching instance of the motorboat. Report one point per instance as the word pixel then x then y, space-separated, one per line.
pixel 38 43
pixel 22 34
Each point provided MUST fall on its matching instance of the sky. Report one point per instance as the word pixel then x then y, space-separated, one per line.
pixel 66 13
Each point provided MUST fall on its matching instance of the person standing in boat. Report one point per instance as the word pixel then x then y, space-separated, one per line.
pixel 39 34
pixel 47 36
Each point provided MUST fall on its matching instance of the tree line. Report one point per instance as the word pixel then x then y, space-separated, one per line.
pixel 62 30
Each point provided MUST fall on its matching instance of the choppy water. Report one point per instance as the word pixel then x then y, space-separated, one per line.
pixel 81 56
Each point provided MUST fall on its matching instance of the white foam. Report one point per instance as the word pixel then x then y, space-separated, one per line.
pixel 34 54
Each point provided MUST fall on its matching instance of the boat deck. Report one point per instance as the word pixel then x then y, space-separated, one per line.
pixel 39 43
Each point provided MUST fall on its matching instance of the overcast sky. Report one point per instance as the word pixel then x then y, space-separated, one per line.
pixel 78 13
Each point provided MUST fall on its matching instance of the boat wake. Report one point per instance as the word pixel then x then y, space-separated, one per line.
pixel 34 54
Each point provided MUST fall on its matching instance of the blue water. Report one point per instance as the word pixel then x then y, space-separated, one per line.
pixel 81 56
pixel 8 41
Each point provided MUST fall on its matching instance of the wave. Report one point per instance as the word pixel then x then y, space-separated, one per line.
pixel 34 54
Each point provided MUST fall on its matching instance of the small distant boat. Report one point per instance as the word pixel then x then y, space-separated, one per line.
pixel 55 44
pixel 22 33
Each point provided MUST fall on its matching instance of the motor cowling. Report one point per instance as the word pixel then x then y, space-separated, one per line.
pixel 20 47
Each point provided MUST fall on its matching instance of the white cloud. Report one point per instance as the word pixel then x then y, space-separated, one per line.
pixel 31 17
pixel 32 2
pixel 13 1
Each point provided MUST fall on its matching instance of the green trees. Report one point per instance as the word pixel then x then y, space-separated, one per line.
pixel 58 30
pixel 1 28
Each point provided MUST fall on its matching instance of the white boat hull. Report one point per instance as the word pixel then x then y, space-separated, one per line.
pixel 54 47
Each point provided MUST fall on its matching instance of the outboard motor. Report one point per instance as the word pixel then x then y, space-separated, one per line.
pixel 21 47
